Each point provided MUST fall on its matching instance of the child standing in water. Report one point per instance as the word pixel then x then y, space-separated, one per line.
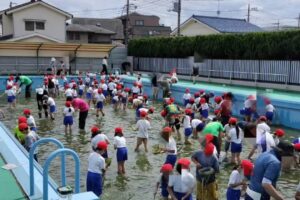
pixel 186 96
pixel 11 96
pixel 170 147
pixel 68 117
pixel 235 184
pixel 81 89
pixel 120 145
pixel 30 119
pixel 236 137
pixel 100 98
pixel 187 125
pixel 142 125
pixel 163 181
pixel 96 169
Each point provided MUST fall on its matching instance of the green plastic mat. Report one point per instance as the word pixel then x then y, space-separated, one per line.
pixel 9 187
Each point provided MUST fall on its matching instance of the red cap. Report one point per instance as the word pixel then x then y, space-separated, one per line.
pixel 8 87
pixel 184 162
pixel 279 132
pixel 218 99
pixel 192 100
pixel 119 87
pixel 251 97
pixel 166 168
pixel 187 90
pixel 163 113
pixel 217 112
pixel 95 130
pixel 118 130
pixel 23 126
pixel 11 78
pixel 232 120
pixel 143 114
pixel 73 81
pixel 209 138
pixel 263 118
pixel 202 100
pixel 247 166
pixel 102 81
pixel 151 110
pixel 127 89
pixel 26 111
pixel 140 85
pixel 267 101
pixel 22 119
pixel 145 96
pixel 172 99
pixel 80 81
pixel 297 146
pixel 96 82
pixel 197 94
pixel 102 145
pixel 209 149
pixel 68 104
pixel 100 91
pixel 167 129
pixel 188 111
pixel 201 91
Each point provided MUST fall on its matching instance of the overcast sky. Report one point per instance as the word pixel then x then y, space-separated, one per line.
pixel 265 13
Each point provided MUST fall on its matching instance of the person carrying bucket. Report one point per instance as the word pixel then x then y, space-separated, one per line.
pixel 25 80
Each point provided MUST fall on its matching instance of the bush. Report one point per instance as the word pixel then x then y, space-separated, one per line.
pixel 283 45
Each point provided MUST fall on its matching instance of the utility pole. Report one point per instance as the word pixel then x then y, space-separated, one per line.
pixel 248 14
pixel 127 23
pixel 178 20
pixel 299 21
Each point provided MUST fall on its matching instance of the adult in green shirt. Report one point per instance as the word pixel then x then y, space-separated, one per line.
pixel 216 129
pixel 25 80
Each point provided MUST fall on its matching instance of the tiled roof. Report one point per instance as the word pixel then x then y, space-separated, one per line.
pixel 88 28
pixel 228 25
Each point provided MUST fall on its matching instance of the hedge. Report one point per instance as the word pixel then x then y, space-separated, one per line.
pixel 283 45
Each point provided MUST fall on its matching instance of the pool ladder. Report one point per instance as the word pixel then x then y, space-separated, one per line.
pixel 61 151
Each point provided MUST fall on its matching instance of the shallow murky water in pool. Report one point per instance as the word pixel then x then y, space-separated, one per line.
pixel 142 168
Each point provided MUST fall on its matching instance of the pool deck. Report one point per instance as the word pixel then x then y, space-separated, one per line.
pixel 9 187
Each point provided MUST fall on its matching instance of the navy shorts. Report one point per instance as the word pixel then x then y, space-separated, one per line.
pixel 186 101
pixel 89 96
pixel 171 159
pixel 269 116
pixel 233 194
pixel 124 100
pixel 100 105
pixel 52 109
pixel 248 112
pixel 114 101
pixel 235 147
pixel 204 113
pixel 122 154
pixel 80 92
pixel 105 93
pixel 188 132
pixel 68 120
pixel 164 191
pixel 94 183
pixel 10 99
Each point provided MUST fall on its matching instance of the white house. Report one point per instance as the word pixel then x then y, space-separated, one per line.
pixel 34 21
pixel 206 25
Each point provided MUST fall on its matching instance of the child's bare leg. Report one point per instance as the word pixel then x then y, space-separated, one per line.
pixel 145 141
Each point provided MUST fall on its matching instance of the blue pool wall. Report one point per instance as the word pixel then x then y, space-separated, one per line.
pixel 287 112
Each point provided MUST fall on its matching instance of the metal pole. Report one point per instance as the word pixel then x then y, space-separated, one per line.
pixel 178 20
pixel 248 15
pixel 126 23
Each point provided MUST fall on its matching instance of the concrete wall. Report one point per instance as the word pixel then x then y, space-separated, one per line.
pixel 7 26
pixel 55 26
pixel 194 27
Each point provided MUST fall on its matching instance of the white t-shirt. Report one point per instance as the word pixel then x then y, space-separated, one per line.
pixel 187 96
pixel 187 122
pixel 125 94
pixel 51 101
pixel 248 103
pixel 31 121
pixel 119 142
pixel 95 92
pixel 100 97
pixel 10 82
pixel 260 129
pixel 197 100
pixel 137 102
pixel 116 98
pixel 111 86
pixel 69 92
pixel 98 138
pixel 171 145
pixel 143 126
pixel 81 87
pixel 235 177
pixel 196 122
pixel 39 91
pixel 104 86
pixel 67 111
pixel 270 108
pixel 143 109
pixel 269 140
pixel 183 182
pixel 90 90
pixel 103 77
pixel 188 106
pixel 104 62
pixel 87 79
pixel 74 93
pixel 233 136
pixel 204 106
pixel 10 92
pixel 96 163
pixel 135 89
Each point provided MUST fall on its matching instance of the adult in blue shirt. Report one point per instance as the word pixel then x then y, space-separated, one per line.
pixel 266 173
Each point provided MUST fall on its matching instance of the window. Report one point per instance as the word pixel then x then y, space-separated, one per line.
pixel 29 26
pixel 34 25
pixel 139 22
pixel 76 36
pixel 73 36
pixel 40 25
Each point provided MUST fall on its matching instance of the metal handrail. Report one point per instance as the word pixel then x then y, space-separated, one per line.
pixel 52 156
pixel 244 72
pixel 31 152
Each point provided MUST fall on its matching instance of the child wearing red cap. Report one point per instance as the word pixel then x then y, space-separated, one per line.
pixel 204 110
pixel 98 136
pixel 68 93
pixel 163 181
pixel 278 135
pixel 89 94
pixel 104 88
pixel 186 97
pixel 18 134
pixel 182 184
pixel 235 136
pixel 187 125
pixel 87 80
pixel 111 86
pixel 170 146
pixel 120 145
pixel 68 113
pixel 100 98
pixel 96 169
pixel 125 95
pixel 11 96
pixel 52 106
pixel 135 90
pixel 143 126
pixel 269 111
pixel 30 138
pixel 30 119
pixel 81 88
pixel 235 184
pixel 10 81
